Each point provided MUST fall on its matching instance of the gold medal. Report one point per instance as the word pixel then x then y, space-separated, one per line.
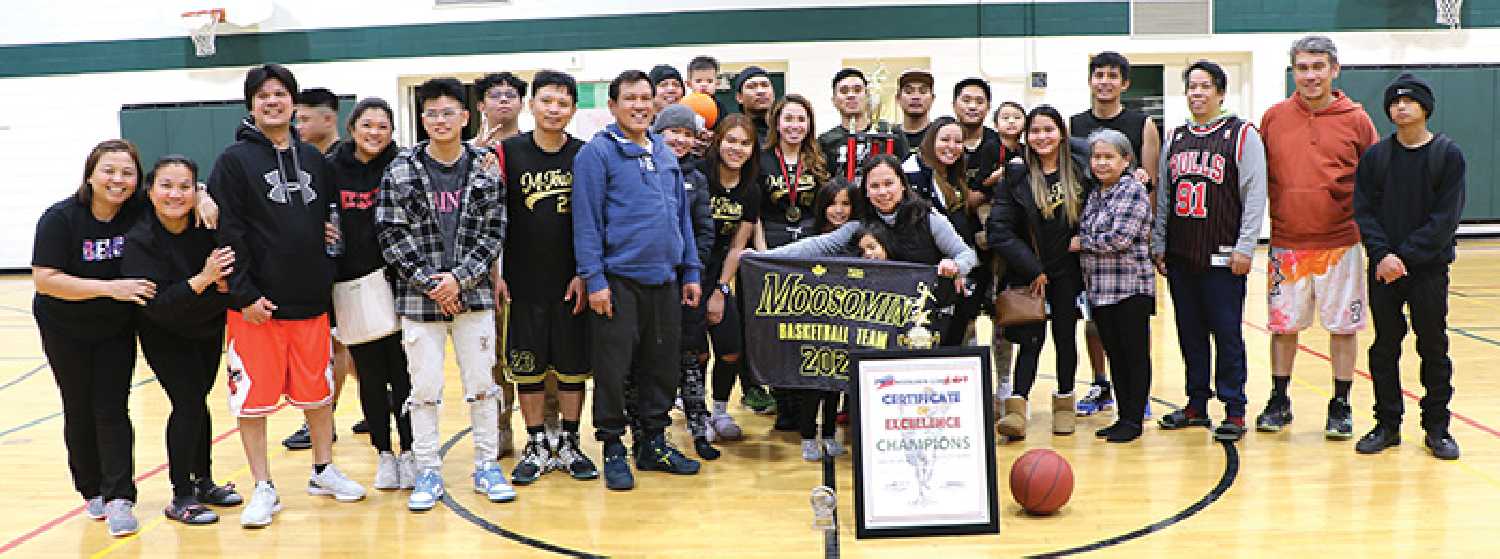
pixel 793 214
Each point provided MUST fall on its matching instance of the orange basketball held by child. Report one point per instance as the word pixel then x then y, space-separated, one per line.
pixel 1041 481
pixel 703 105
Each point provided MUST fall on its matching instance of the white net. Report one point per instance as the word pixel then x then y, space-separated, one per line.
pixel 206 30
pixel 1448 13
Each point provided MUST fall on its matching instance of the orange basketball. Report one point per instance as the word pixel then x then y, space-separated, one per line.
pixel 704 106
pixel 1041 481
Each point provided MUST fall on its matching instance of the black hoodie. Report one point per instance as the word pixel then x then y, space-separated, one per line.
pixel 358 186
pixel 275 225
pixel 170 260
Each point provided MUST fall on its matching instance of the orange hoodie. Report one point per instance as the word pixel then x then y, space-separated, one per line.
pixel 1310 161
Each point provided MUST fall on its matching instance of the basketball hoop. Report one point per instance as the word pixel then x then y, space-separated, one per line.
pixel 1448 13
pixel 204 27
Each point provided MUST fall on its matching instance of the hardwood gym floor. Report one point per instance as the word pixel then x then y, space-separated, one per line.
pixel 1288 494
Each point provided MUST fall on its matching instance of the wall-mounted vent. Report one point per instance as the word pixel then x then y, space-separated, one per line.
pixel 1163 18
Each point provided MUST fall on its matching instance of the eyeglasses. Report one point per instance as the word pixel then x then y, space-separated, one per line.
pixel 502 95
pixel 445 114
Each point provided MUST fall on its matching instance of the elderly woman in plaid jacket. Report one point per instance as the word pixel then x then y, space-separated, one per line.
pixel 1114 242
pixel 441 223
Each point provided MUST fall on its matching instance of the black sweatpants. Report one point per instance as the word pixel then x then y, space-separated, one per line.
pixel 642 342
pixel 384 384
pixel 1062 297
pixel 808 401
pixel 1425 292
pixel 1125 329
pixel 93 377
pixel 186 368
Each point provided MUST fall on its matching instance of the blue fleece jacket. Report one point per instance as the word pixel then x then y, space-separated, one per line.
pixel 630 213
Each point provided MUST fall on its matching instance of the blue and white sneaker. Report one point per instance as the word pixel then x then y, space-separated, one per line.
pixel 1096 400
pixel 94 508
pixel 1148 409
pixel 426 491
pixel 490 481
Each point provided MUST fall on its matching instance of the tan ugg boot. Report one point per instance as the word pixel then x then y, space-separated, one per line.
pixel 1064 417
pixel 1013 424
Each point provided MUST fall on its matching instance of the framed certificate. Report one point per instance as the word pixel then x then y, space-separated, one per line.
pixel 924 458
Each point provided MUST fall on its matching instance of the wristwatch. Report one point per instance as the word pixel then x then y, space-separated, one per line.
pixel 723 288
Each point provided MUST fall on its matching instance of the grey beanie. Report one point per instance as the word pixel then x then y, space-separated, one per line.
pixel 676 115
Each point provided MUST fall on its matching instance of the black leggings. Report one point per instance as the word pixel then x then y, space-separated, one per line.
pixel 186 369
pixel 807 401
pixel 1062 296
pixel 93 377
pixel 382 364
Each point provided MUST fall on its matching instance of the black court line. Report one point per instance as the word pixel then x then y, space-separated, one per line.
pixel 493 528
pixel 55 415
pixel 1465 332
pixel 14 381
pixel 1231 471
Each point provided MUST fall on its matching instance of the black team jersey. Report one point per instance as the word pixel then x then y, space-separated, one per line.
pixel 729 207
pixel 539 234
pixel 1204 175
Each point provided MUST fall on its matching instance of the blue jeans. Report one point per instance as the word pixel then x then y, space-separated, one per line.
pixel 1208 302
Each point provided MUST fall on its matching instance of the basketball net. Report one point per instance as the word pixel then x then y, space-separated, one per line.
pixel 1448 13
pixel 206 30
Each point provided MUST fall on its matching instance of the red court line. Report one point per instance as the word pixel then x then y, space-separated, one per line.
pixel 50 524
pixel 1409 394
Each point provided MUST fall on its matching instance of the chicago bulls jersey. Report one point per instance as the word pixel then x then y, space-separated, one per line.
pixel 1203 219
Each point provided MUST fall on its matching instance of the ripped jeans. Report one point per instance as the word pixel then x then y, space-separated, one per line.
pixel 474 345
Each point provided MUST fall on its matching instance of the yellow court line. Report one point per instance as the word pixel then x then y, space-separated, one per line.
pixel 153 524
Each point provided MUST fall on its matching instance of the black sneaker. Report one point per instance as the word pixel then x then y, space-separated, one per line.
pixel 1184 417
pixel 705 450
pixel 571 459
pixel 1124 433
pixel 659 456
pixel 299 440
pixel 1277 415
pixel 1105 432
pixel 535 460
pixel 1231 430
pixel 1340 426
pixel 785 422
pixel 617 474
pixel 1380 438
pixel 1443 446
pixel 361 427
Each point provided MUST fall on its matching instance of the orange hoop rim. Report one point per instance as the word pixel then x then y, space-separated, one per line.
pixel 216 13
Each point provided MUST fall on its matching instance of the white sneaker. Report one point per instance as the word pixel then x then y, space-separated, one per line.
pixel 335 483
pixel 811 450
pixel 264 504
pixel 407 464
pixel 832 446
pixel 388 472
pixel 724 427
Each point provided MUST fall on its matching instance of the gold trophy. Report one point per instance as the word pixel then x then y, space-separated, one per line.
pixel 919 337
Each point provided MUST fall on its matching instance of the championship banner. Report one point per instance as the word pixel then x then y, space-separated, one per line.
pixel 803 316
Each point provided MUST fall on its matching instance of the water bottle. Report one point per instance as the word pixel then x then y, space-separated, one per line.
pixel 335 247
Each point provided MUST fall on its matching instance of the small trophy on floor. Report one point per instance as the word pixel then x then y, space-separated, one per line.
pixel 919 337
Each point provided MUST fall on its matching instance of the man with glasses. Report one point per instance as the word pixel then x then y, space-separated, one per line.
pixel 500 102
pixel 441 223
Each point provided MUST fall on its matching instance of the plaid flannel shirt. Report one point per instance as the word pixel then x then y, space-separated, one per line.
pixel 412 243
pixel 1115 234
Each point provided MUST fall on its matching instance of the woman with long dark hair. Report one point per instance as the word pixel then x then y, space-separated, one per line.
pixel 918 233
pixel 730 166
pixel 792 169
pixel 1035 215
pixel 83 309
pixel 181 329
pixel 358 165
